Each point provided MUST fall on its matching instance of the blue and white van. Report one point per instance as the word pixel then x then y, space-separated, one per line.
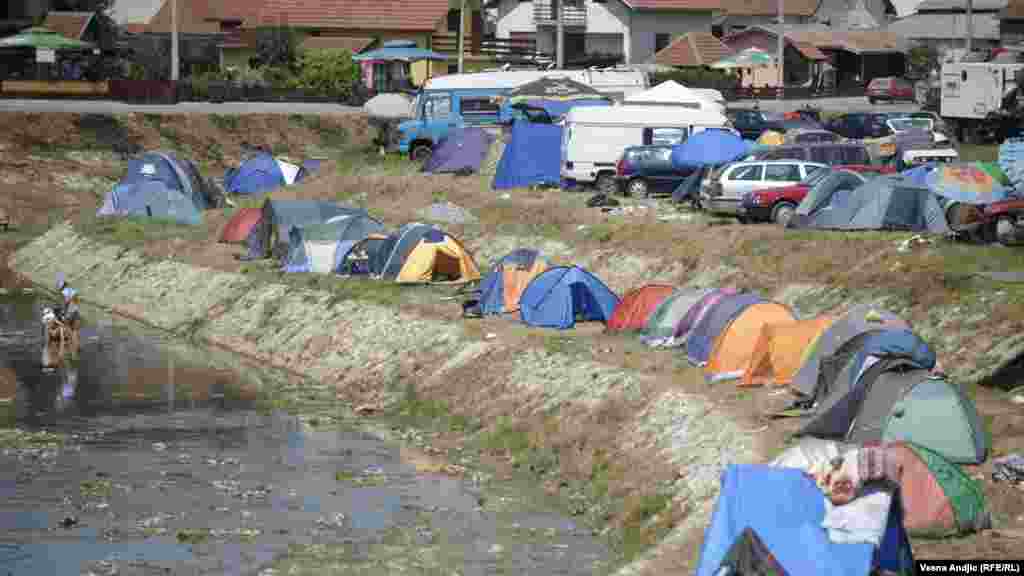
pixel 457 100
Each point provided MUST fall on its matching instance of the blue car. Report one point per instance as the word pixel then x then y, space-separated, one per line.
pixel 645 171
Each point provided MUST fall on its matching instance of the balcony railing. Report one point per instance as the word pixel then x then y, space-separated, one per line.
pixel 512 50
pixel 574 13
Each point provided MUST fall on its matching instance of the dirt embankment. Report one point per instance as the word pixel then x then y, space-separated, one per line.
pixel 637 428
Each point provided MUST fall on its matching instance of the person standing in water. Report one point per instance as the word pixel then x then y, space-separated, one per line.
pixel 69 313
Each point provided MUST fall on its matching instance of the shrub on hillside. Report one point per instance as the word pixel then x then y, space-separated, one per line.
pixel 330 72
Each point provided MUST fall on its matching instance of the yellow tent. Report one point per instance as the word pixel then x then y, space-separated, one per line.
pixel 445 261
pixel 779 351
pixel 771 138
pixel 736 344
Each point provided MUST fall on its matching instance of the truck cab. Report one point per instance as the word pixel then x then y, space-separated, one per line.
pixel 976 97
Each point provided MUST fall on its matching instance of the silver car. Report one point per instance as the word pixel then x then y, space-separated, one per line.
pixel 722 192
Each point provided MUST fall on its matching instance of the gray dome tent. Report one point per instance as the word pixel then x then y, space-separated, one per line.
pixel 883 203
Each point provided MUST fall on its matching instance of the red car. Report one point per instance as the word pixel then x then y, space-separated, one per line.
pixel 779 204
pixel 890 88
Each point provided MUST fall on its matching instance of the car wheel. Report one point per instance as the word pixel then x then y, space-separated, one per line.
pixel 742 219
pixel 871 101
pixel 606 185
pixel 420 153
pixel 782 213
pixel 1005 231
pixel 637 188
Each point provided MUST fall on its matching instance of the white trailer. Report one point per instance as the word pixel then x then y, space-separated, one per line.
pixel 594 138
pixel 973 97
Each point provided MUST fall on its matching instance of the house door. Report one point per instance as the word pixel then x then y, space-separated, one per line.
pixel 575 46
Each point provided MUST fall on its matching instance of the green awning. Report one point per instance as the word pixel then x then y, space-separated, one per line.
pixel 43 39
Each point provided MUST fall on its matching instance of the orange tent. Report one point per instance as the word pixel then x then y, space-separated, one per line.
pixel 238 228
pixel 780 348
pixel 734 347
pixel 515 279
pixel 637 306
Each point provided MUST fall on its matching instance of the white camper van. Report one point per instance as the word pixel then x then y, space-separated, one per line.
pixel 594 138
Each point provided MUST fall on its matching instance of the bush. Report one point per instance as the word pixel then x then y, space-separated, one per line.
pixel 329 72
pixel 697 78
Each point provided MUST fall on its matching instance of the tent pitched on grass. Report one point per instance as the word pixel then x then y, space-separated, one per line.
pixel 562 295
pixel 697 312
pixel 159 185
pixel 857 320
pixel 316 248
pixel 241 224
pixel 896 399
pixel 532 157
pixel 420 253
pixel 883 203
pixel 704 333
pixel 779 348
pixel 502 288
pixel 785 508
pixel 637 306
pixel 735 345
pixel 663 321
pixel 273 231
pixel 461 152
pixel 939 499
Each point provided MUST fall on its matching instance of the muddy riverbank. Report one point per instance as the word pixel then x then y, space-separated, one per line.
pixel 144 455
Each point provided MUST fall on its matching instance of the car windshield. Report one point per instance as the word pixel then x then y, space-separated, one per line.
pixel 816 176
pixel 907 123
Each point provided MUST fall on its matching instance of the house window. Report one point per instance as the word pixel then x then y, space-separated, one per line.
pixel 661 41
pixel 453 68
pixel 453 20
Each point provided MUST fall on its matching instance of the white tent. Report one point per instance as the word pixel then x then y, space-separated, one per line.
pixel 671 93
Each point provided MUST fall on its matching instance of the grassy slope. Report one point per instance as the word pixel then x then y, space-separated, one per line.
pixel 937 277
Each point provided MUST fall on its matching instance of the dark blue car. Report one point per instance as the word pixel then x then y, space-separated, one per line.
pixel 645 171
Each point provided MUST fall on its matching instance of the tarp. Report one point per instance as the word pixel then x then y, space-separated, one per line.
pixel 883 203
pixel 779 348
pixel 159 185
pixel 710 147
pixel 462 151
pixel 561 296
pixel 502 288
pixel 704 333
pixel 399 51
pixel 637 306
pixel 44 39
pixel 238 228
pixel 734 346
pixel 857 320
pixel 786 508
pixel 532 157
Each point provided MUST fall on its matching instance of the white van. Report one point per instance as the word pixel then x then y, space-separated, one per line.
pixel 593 138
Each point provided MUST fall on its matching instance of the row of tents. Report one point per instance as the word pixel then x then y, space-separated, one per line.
pixel 862 378
pixel 164 185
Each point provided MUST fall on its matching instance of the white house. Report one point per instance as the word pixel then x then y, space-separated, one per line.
pixel 632 29
pixel 942 24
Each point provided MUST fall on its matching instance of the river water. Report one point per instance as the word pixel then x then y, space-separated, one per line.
pixel 172 466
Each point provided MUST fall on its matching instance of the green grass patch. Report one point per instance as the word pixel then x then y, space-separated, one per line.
pixel 639 533
pixel 225 122
pixel 133 231
pixel 17 439
pixel 99 488
pixel 978 152
pixel 600 232
pixel 193 535
pixel 416 411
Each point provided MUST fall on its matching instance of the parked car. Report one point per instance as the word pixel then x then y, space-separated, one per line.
pixel 778 204
pixel 722 192
pixel 891 89
pixel 938 124
pixel 752 123
pixel 833 154
pixel 1004 221
pixel 647 170
pixel 870 125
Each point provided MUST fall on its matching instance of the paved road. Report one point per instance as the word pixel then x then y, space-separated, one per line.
pixel 233 108
pixel 836 104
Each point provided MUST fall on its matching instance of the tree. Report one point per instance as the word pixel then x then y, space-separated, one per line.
pixel 921 61
pixel 277 47
pixel 328 72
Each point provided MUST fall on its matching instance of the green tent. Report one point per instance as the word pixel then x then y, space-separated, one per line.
pixel 661 324
pixel 964 495
pixel 43 39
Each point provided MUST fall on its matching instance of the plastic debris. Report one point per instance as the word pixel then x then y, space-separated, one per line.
pixel 1009 469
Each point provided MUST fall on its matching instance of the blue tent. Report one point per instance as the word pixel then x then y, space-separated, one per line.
pixel 279 216
pixel 462 151
pixel 256 175
pixel 562 295
pixel 893 344
pixel 533 156
pixel 710 147
pixel 785 508
pixel 918 175
pixel 159 185
pixel 321 247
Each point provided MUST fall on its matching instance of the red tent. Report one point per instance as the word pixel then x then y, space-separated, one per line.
pixel 637 306
pixel 238 228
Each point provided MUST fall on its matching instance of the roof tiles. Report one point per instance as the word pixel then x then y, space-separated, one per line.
pixel 409 15
pixel 693 49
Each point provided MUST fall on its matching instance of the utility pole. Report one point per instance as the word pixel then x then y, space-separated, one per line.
pixel 970 25
pixel 174 40
pixel 559 33
pixel 780 57
pixel 462 36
